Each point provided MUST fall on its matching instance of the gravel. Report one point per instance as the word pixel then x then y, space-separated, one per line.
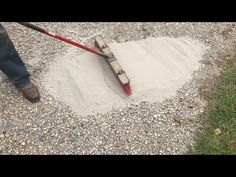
pixel 50 127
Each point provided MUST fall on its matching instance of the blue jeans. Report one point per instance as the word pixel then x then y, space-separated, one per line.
pixel 10 61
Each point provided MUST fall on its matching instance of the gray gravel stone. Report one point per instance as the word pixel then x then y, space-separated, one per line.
pixel 50 127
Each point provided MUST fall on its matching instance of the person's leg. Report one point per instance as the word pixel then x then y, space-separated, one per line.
pixel 10 61
pixel 12 65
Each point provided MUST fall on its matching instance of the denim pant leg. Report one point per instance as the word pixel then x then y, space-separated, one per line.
pixel 10 61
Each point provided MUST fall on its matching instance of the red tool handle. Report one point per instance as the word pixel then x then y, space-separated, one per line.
pixel 39 29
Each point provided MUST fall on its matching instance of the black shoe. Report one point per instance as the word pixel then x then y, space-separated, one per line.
pixel 31 93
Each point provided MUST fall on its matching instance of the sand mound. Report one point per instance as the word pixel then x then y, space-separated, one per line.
pixel 157 67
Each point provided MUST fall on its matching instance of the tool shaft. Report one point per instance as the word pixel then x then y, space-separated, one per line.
pixel 41 30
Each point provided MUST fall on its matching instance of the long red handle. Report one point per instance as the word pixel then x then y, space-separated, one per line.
pixel 39 29
pixel 73 43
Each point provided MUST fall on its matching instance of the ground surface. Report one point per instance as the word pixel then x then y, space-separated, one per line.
pixel 50 127
pixel 218 133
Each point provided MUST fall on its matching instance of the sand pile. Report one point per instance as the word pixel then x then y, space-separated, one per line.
pixel 157 68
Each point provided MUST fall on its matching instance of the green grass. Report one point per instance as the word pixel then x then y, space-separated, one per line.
pixel 221 113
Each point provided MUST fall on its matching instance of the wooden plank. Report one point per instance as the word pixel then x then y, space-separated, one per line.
pixel 112 61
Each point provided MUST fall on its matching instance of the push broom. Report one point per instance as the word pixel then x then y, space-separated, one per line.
pixel 104 51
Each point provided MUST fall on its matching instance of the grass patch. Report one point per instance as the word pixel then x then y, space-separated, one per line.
pixel 218 135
